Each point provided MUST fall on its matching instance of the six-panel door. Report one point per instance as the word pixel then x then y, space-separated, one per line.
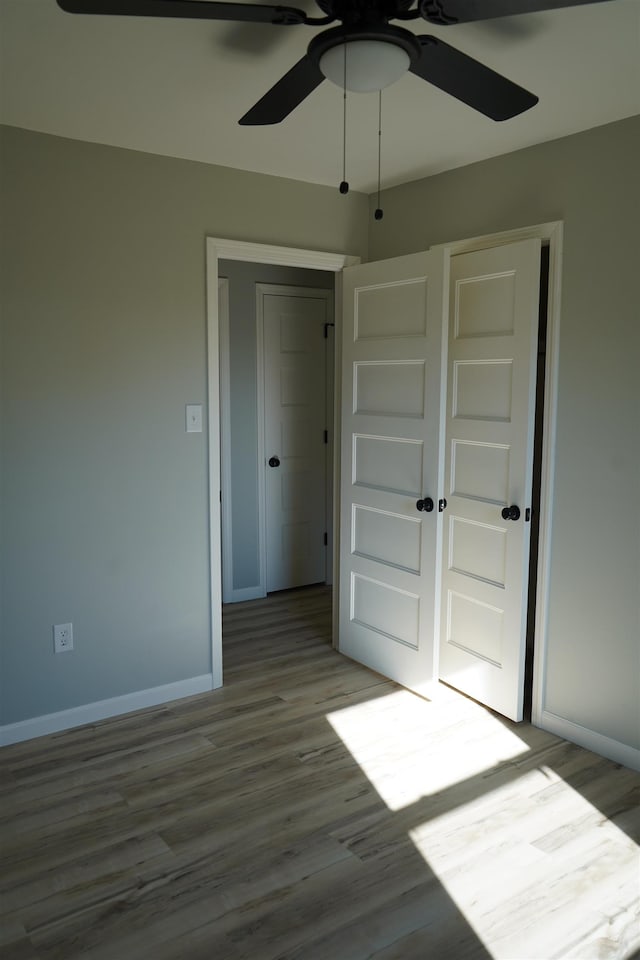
pixel 390 457
pixel 295 447
pixel 493 323
pixel 412 581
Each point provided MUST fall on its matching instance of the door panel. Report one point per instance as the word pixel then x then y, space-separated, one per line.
pixel 493 322
pixel 295 413
pixel 390 459
pixel 386 537
pixel 388 463
pixel 389 389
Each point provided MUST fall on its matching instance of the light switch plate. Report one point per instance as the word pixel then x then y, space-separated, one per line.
pixel 194 418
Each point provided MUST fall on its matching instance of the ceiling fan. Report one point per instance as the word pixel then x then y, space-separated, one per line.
pixel 366 52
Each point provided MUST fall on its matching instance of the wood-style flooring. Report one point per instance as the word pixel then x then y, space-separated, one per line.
pixel 311 810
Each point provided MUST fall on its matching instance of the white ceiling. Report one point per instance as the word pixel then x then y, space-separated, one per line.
pixel 178 88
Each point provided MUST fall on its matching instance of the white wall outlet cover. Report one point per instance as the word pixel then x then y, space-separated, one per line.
pixel 62 637
pixel 194 418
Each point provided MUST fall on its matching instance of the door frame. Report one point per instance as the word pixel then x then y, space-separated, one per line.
pixel 225 249
pixel 286 290
pixel 550 234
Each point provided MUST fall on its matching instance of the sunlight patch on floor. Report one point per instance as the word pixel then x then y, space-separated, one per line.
pixel 541 864
pixel 495 839
pixel 410 748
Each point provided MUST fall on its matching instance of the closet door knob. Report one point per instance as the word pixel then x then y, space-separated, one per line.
pixel 274 461
pixel 511 513
pixel 425 505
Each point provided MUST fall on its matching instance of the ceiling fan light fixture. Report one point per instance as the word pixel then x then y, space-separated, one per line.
pixel 371 64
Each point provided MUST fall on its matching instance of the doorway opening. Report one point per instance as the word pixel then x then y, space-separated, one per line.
pixel 276 410
pixel 282 631
pixel 288 452
pixel 242 255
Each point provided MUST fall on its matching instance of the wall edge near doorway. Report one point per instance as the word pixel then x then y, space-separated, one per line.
pixel 590 740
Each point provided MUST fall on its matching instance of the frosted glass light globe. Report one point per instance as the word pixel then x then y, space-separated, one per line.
pixel 371 64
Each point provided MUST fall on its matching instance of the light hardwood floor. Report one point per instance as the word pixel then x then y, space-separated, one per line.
pixel 311 810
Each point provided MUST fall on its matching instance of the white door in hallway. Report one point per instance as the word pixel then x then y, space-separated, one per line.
pixel 491 384
pixel 294 437
pixel 392 323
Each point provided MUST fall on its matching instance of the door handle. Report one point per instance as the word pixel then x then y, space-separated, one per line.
pixel 511 513
pixel 442 505
pixel 274 461
pixel 425 505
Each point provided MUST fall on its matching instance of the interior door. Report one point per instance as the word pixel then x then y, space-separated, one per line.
pixel 392 322
pixel 493 324
pixel 295 440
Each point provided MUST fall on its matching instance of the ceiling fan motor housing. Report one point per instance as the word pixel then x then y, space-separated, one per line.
pixel 359 11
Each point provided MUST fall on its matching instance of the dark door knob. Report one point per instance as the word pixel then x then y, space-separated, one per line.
pixel 442 505
pixel 274 461
pixel 426 505
pixel 511 513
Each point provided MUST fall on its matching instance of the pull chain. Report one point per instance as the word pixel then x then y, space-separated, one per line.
pixel 379 213
pixel 344 186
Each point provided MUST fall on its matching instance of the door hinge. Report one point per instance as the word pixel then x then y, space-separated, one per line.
pixel 326 539
pixel 221 496
pixel 326 329
pixel 326 436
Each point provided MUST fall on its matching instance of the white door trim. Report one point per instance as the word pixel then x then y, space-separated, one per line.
pixel 279 290
pixel 225 441
pixel 552 234
pixel 223 249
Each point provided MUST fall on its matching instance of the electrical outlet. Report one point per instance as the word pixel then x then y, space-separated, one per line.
pixel 62 637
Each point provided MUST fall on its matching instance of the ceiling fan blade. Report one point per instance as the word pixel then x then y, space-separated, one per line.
pixel 470 81
pixel 187 9
pixel 446 12
pixel 285 95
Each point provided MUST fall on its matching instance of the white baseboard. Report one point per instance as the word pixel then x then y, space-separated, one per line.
pixel 101 709
pixel 246 593
pixel 605 746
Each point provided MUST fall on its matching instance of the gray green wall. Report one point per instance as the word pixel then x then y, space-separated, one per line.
pixel 104 495
pixel 591 181
pixel 243 421
pixel 104 499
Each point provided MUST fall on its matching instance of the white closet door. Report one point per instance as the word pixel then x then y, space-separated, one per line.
pixel 295 448
pixel 390 460
pixel 493 323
